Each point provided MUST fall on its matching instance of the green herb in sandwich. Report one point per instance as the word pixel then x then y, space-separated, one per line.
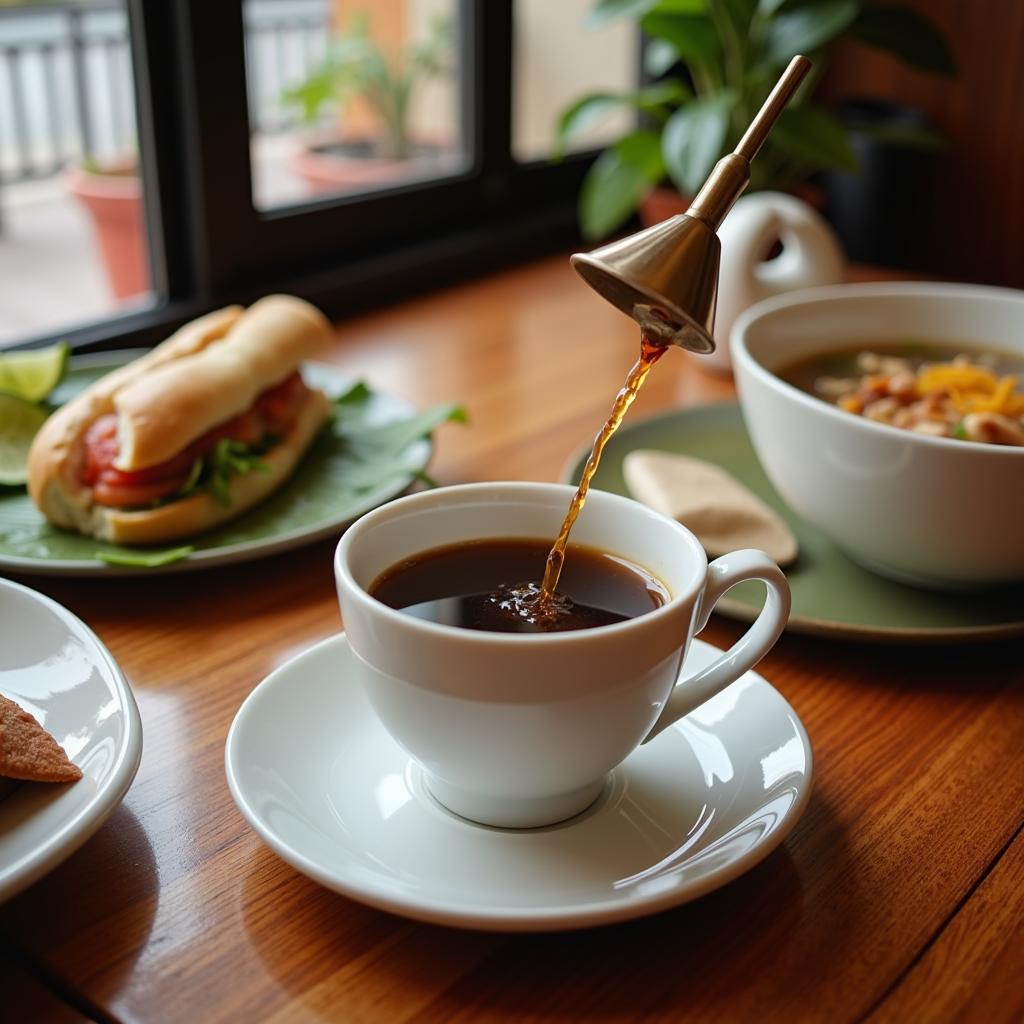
pixel 230 458
pixel 213 471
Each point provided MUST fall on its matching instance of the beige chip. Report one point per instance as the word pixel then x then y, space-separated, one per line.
pixel 722 513
pixel 28 751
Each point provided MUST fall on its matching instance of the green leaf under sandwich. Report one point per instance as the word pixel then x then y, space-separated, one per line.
pixel 143 558
pixel 357 460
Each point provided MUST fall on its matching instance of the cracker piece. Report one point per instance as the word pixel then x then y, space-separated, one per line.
pixel 28 751
pixel 722 513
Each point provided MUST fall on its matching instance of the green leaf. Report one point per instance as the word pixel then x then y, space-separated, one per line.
pixel 379 452
pixel 143 559
pixel 659 56
pixel 433 57
pixel 587 110
pixel 680 7
pixel 693 139
pixel 230 458
pixel 605 11
pixel 391 439
pixel 352 404
pixel 668 92
pixel 610 10
pixel 741 13
pixel 426 479
pixel 613 188
pixel 192 480
pixel 642 150
pixel 355 65
pixel 693 36
pixel 815 137
pixel 312 94
pixel 357 394
pixel 584 113
pixel 907 34
pixel 806 28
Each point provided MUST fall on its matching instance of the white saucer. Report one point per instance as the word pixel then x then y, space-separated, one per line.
pixel 331 793
pixel 55 667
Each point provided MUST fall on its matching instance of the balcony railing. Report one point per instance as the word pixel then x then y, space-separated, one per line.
pixel 66 90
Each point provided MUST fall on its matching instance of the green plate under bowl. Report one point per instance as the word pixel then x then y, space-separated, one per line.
pixel 832 595
pixel 331 488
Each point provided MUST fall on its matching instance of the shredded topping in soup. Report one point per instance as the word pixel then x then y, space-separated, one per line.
pixel 962 398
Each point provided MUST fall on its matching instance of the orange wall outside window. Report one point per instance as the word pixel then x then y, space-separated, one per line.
pixel 387 20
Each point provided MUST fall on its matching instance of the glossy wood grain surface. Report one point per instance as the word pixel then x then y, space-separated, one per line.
pixel 897 897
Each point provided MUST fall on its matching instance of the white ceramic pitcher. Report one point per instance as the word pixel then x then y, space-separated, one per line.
pixel 811 256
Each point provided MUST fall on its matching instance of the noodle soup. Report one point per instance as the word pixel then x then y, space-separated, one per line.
pixel 928 388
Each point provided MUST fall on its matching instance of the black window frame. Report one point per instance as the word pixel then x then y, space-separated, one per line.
pixel 210 245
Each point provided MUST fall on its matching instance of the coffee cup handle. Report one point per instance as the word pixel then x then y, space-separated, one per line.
pixel 723 574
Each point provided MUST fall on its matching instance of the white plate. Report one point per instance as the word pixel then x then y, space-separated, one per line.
pixel 315 774
pixel 55 667
pixel 330 379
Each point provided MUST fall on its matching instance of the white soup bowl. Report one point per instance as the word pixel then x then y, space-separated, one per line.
pixel 934 512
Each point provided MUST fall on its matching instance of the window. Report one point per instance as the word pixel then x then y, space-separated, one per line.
pixel 351 97
pixel 547 78
pixel 72 229
pixel 223 105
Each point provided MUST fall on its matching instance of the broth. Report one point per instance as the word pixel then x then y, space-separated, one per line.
pixel 933 388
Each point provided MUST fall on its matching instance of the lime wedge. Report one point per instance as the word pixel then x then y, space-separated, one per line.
pixel 32 374
pixel 19 421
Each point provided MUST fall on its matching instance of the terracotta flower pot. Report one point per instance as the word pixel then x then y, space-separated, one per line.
pixel 661 203
pixel 349 165
pixel 114 203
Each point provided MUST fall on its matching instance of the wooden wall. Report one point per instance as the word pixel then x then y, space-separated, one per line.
pixel 975 229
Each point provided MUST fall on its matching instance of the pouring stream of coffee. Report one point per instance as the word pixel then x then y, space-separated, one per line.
pixel 666 279
pixel 650 353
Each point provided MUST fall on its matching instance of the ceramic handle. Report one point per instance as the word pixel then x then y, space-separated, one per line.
pixel 810 256
pixel 723 574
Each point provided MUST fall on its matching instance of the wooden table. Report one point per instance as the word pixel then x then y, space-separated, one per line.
pixel 899 895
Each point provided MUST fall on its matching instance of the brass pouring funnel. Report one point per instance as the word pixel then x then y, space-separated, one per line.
pixel 666 277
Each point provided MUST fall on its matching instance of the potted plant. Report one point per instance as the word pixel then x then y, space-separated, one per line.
pixel 111 194
pixel 731 52
pixel 356 67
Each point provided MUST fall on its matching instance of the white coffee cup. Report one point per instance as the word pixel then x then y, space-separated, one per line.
pixel 521 730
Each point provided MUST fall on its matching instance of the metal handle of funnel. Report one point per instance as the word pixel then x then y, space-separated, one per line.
pixel 731 174
pixel 754 136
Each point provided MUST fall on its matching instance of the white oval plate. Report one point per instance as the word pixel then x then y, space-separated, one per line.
pixel 55 667
pixel 316 775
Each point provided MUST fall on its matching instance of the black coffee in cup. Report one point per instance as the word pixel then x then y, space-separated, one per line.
pixel 496 585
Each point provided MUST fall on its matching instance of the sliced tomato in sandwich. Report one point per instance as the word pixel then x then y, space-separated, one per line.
pixel 117 495
pixel 271 413
pixel 279 405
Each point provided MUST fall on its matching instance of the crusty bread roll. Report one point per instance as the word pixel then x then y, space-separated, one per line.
pixel 206 373
pixel 200 512
pixel 163 410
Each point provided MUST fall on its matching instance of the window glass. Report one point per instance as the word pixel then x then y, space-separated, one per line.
pixel 557 59
pixel 72 233
pixel 349 96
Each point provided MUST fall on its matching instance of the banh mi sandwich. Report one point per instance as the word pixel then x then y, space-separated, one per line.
pixel 203 427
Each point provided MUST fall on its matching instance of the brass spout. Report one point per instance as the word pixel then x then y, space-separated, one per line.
pixel 666 277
